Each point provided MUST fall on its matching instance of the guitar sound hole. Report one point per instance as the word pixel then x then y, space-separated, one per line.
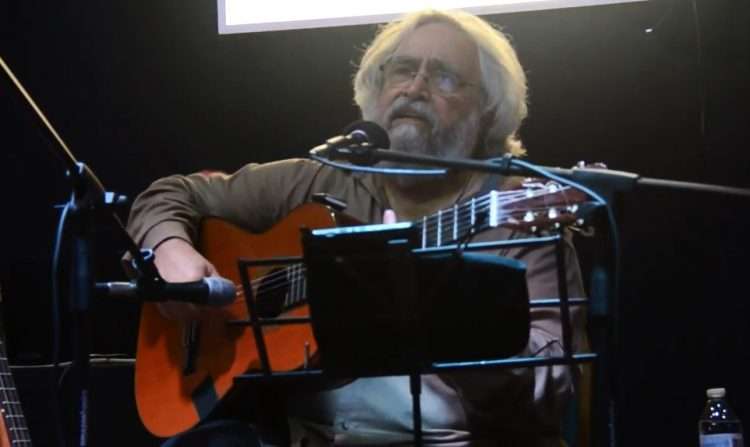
pixel 272 293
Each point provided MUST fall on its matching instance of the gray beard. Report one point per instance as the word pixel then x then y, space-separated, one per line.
pixel 460 140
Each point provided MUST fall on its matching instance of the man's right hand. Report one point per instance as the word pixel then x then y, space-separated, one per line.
pixel 178 261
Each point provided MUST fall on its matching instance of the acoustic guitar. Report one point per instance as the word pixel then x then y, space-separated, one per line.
pixel 183 370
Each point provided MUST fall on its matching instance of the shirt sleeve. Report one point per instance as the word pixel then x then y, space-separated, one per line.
pixel 254 198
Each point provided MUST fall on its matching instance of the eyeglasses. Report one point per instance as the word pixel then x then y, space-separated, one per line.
pixel 399 71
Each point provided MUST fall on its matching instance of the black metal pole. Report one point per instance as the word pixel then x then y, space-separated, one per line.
pixel 415 386
pixel 80 303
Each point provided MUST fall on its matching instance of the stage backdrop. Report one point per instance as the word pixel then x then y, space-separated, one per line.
pixel 143 90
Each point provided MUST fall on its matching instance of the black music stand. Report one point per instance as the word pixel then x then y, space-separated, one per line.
pixel 408 337
pixel 378 308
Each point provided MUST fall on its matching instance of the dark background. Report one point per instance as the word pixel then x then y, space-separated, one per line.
pixel 140 90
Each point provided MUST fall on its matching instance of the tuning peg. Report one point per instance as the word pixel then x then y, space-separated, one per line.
pixel 583 165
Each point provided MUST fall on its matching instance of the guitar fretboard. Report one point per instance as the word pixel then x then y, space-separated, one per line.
pixel 451 224
pixel 12 413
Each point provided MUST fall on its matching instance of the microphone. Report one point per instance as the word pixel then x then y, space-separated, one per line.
pixel 355 144
pixel 209 291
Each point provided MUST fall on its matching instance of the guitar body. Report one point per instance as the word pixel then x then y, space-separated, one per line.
pixel 171 399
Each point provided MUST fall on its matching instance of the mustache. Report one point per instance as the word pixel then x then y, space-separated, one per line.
pixel 408 107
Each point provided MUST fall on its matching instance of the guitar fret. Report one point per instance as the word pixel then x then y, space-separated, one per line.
pixel 292 286
pixel 439 226
pixel 289 296
pixel 455 222
pixel 288 277
pixel 473 211
pixel 449 224
pixel 298 284
pixel 293 289
pixel 290 281
pixel 494 211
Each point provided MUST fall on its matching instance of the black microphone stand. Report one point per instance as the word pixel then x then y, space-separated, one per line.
pixel 604 302
pixel 604 180
pixel 88 201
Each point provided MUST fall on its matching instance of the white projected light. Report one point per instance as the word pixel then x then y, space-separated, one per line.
pixel 246 16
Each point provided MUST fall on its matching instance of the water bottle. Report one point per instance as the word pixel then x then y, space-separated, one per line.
pixel 719 425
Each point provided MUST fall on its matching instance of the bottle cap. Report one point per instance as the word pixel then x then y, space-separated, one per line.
pixel 716 393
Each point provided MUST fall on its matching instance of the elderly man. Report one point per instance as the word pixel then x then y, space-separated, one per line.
pixel 440 83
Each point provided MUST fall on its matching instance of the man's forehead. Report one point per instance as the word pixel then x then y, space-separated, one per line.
pixel 440 42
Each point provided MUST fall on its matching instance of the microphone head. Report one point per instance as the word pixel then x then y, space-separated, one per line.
pixel 373 133
pixel 221 291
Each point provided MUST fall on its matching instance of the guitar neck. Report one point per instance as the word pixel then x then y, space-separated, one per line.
pixel 451 224
pixel 15 424
pixel 535 206
pixel 531 207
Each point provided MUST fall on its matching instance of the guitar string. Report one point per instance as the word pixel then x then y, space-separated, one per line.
pixel 280 275
pixel 281 278
pixel 462 209
pixel 271 281
pixel 438 229
pixel 447 214
pixel 508 197
pixel 282 282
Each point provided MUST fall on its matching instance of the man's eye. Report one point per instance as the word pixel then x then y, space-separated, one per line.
pixel 447 82
pixel 402 70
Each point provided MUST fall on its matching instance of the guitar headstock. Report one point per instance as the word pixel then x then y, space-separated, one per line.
pixel 540 205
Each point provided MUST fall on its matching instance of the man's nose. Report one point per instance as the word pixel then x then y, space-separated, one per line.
pixel 418 87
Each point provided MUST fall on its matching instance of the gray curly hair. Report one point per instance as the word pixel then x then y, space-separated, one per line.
pixel 503 79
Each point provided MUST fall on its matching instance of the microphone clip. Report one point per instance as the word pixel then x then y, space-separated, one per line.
pixel 359 154
pixel 147 278
pixel 357 145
